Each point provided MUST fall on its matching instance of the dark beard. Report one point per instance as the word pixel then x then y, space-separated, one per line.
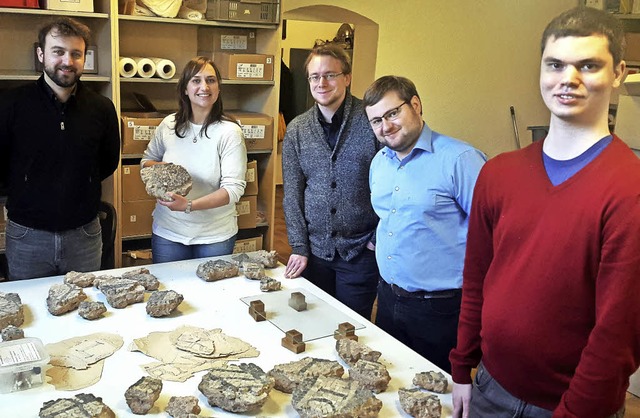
pixel 60 81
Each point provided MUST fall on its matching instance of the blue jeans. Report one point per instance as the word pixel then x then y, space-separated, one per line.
pixel 35 253
pixel 351 282
pixel 428 326
pixel 163 250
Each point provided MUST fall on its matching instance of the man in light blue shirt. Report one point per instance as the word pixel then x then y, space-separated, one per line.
pixel 421 188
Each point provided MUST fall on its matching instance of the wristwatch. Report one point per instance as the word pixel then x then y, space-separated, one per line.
pixel 188 209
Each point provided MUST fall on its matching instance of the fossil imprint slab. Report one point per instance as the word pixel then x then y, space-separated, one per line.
pixel 162 178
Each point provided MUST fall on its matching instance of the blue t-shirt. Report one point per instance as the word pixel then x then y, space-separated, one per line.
pixel 560 171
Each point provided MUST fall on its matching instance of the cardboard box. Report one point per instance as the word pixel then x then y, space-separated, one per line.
pixel 257 129
pixel 248 245
pixel 136 218
pixel 3 240
pixel 232 40
pixel 71 5
pixel 137 258
pixel 251 188
pixel 247 208
pixel 138 128
pixel 3 214
pixel 258 11
pixel 132 186
pixel 254 67
pixel 632 52
pixel 32 4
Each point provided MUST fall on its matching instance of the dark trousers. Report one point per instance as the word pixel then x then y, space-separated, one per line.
pixel 351 282
pixel 429 326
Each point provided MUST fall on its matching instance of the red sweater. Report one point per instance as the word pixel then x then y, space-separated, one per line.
pixel 551 291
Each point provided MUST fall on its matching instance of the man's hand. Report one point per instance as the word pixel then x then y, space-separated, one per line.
pixel 461 396
pixel 295 266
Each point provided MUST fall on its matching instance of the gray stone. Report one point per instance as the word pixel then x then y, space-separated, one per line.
pixel 334 397
pixel 142 276
pixel 83 405
pixel 11 333
pixel 240 387
pixel 351 351
pixel 183 406
pixel 64 297
pixel 268 284
pixel 419 404
pixel 433 381
pixel 91 310
pixel 289 375
pixel 269 259
pixel 159 179
pixel 11 310
pixel 79 279
pixel 213 270
pixel 121 293
pixel 373 375
pixel 254 271
pixel 143 394
pixel 163 302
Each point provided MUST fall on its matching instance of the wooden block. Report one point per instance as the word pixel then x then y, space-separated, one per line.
pixel 256 310
pixel 292 341
pixel 297 301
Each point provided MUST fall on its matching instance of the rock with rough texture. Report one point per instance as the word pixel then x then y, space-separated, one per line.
pixel 240 387
pixel 91 310
pixel 419 404
pixel 11 310
pixel 269 259
pixel 289 375
pixel 143 394
pixel 120 293
pixel 351 351
pixel 79 279
pixel 163 302
pixel 142 276
pixel 159 179
pixel 254 271
pixel 373 375
pixel 268 284
pixel 11 333
pixel 334 397
pixel 433 381
pixel 213 270
pixel 183 406
pixel 83 405
pixel 64 297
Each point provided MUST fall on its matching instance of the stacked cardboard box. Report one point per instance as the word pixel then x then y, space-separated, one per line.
pixel 138 129
pixel 137 205
pixel 251 189
pixel 248 245
pixel 257 129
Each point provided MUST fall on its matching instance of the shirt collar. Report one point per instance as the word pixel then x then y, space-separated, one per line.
pixel 337 117
pixel 425 143
pixel 51 94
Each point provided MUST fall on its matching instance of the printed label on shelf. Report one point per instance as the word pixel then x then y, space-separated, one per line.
pixel 142 133
pixel 19 353
pixel 246 70
pixel 243 208
pixel 250 177
pixel 233 42
pixel 253 131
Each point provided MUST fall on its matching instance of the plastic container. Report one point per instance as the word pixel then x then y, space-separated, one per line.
pixel 22 364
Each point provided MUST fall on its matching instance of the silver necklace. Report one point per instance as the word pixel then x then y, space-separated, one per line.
pixel 193 131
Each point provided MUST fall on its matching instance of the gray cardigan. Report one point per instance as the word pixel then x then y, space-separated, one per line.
pixel 327 202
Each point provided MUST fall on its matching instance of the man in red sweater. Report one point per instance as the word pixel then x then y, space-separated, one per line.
pixel 551 291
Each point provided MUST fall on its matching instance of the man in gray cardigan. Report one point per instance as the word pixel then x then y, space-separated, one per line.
pixel 326 155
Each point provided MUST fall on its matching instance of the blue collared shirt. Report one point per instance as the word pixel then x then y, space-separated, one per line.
pixel 423 203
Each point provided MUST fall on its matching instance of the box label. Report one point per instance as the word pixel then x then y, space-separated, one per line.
pixel 133 219
pixel 233 42
pixel 19 353
pixel 245 247
pixel 247 70
pixel 243 208
pixel 251 175
pixel 253 131
pixel 142 133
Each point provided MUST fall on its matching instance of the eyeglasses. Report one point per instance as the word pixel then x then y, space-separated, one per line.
pixel 315 79
pixel 389 115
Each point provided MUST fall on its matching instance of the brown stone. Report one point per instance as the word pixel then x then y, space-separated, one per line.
pixel 11 333
pixel 91 310
pixel 419 404
pixel 213 270
pixel 159 179
pixel 287 376
pixel 143 394
pixel 183 406
pixel 351 351
pixel 373 375
pixel 79 279
pixel 64 297
pixel 268 284
pixel 120 293
pixel 240 387
pixel 83 405
pixel 142 276
pixel 11 310
pixel 431 380
pixel 163 302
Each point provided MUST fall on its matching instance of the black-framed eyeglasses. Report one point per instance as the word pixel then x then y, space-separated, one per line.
pixel 389 115
pixel 315 79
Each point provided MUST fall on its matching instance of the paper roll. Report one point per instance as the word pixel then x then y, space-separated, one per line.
pixel 146 67
pixel 165 68
pixel 127 67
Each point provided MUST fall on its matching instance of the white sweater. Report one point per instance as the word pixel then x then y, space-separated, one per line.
pixel 219 161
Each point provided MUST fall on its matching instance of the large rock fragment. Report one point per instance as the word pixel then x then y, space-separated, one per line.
pixel 11 333
pixel 163 302
pixel 144 277
pixel 183 406
pixel 64 297
pixel 213 270
pixel 254 271
pixel 79 279
pixel 268 284
pixel 11 310
pixel 83 405
pixel 287 376
pixel 334 397
pixel 159 179
pixel 143 394
pixel 419 404
pixel 373 375
pixel 91 310
pixel 236 387
pixel 121 293
pixel 433 381
pixel 268 259
pixel 351 351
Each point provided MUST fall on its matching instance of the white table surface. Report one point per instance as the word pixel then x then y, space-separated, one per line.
pixel 207 305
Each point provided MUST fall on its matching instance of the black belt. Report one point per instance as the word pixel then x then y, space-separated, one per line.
pixel 423 294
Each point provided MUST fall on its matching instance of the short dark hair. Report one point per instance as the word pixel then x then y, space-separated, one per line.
pixel 330 50
pixel 586 21
pixel 401 85
pixel 65 26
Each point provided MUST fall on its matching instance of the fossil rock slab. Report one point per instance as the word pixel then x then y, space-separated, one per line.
pixel 419 404
pixel 163 302
pixel 351 351
pixel 268 284
pixel 254 271
pixel 373 375
pixel 183 406
pixel 79 279
pixel 289 375
pixel 213 270
pixel 142 276
pixel 236 387
pixel 162 178
pixel 121 293
pixel 91 310
pixel 64 297
pixel 11 333
pixel 433 381
pixel 334 397
pixel 11 310
pixel 269 259
pixel 83 405
pixel 143 394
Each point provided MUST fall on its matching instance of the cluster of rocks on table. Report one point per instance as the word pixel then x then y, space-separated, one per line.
pixel 252 266
pixel 159 179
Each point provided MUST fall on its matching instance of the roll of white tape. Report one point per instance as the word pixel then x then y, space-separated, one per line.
pixel 165 68
pixel 127 67
pixel 146 67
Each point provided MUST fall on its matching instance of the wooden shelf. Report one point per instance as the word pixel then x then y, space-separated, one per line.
pixel 175 81
pixel 41 12
pixel 18 75
pixel 180 21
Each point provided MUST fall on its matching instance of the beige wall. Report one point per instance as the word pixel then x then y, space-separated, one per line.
pixel 471 60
